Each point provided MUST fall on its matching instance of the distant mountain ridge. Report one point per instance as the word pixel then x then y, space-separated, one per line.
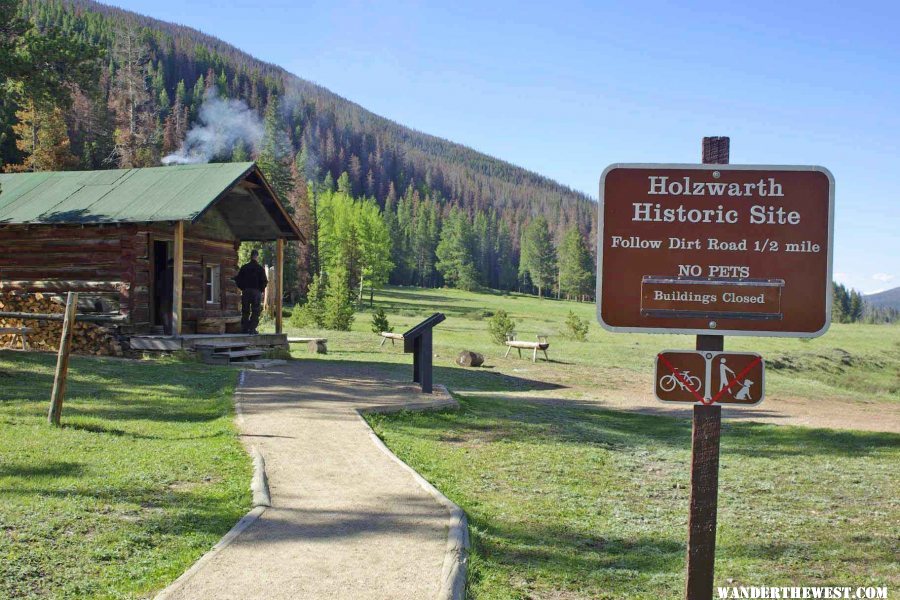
pixel 886 299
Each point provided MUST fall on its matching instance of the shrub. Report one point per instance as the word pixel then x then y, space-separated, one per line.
pixel 304 316
pixel 311 314
pixel 499 326
pixel 576 328
pixel 380 321
pixel 479 314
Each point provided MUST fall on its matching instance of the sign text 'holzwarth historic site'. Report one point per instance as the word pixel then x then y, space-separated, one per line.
pixel 725 249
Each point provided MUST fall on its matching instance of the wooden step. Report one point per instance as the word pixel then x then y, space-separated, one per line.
pixel 241 353
pixel 220 346
pixel 224 358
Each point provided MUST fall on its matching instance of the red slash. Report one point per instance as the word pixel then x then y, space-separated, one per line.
pixel 682 378
pixel 737 378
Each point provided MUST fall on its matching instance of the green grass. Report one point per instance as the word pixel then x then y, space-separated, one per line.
pixel 569 503
pixel 857 363
pixel 145 475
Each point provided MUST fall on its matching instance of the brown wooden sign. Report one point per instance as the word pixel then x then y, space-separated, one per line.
pixel 709 377
pixel 724 249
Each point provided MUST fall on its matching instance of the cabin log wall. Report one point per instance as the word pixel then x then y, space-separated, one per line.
pixel 62 258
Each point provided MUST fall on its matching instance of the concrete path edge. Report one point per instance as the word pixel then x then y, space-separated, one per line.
pixel 259 485
pixel 453 572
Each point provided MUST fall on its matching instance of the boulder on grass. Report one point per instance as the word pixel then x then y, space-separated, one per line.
pixel 467 358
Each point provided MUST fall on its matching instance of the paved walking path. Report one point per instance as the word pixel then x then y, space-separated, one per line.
pixel 347 520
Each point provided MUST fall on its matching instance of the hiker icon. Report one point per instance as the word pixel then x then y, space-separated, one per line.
pixel 724 370
pixel 743 392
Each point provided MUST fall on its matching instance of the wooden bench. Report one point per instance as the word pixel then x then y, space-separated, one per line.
pixel 219 325
pixel 20 333
pixel 314 345
pixel 541 344
pixel 387 335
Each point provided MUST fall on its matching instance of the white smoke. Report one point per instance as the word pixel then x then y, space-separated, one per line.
pixel 221 124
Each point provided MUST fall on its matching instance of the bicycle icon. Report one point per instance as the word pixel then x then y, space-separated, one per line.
pixel 667 383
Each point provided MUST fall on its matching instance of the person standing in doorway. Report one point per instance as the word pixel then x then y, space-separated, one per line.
pixel 251 280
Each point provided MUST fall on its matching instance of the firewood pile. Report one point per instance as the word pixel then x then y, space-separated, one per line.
pixel 87 338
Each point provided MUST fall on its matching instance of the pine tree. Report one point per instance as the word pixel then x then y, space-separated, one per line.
pixel 425 239
pixel 311 314
pixel 575 265
pixel 298 199
pixel 171 142
pixel 454 252
pixel 197 97
pixel 506 260
pixel 131 101
pixel 538 255
pixel 239 152
pixel 484 248
pixel 275 152
pixel 338 307
pixel 839 303
pixel 855 312
pixel 44 141
pixel 380 322
pixel 343 184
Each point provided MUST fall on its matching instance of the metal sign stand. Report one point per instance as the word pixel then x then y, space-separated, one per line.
pixel 707 425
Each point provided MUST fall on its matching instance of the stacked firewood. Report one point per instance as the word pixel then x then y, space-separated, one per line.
pixel 87 338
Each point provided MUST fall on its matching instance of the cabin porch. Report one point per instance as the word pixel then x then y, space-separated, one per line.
pixel 190 341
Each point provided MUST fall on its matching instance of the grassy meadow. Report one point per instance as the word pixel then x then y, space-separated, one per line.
pixel 145 475
pixel 852 362
pixel 569 501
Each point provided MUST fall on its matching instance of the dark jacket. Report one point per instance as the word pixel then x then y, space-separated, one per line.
pixel 252 276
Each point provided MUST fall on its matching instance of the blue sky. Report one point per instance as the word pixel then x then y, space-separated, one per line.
pixel 565 89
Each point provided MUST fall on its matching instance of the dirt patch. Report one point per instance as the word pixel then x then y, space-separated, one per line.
pixel 829 413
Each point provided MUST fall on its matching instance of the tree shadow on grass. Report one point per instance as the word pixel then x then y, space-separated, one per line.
pixel 577 556
pixel 760 440
pixel 93 427
pixel 155 390
pixel 414 296
pixel 48 469
pixel 522 420
pixel 470 378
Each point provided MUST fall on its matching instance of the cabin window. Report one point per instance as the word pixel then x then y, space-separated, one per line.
pixel 211 283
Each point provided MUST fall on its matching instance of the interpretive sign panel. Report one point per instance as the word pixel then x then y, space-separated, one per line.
pixel 724 249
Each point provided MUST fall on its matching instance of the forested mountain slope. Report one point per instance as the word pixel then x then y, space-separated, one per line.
pixel 147 87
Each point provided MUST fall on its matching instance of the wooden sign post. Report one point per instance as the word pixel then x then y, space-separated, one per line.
pixel 710 251
pixel 705 430
pixel 62 361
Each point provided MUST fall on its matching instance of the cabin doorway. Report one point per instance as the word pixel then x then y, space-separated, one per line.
pixel 161 294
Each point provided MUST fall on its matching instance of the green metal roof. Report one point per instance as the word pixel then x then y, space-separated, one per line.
pixel 173 193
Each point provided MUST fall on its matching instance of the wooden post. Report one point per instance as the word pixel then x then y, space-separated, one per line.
pixel 426 352
pixel 178 279
pixel 706 429
pixel 417 359
pixel 279 282
pixel 62 361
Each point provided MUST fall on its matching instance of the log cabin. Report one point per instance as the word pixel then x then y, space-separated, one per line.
pixel 113 233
